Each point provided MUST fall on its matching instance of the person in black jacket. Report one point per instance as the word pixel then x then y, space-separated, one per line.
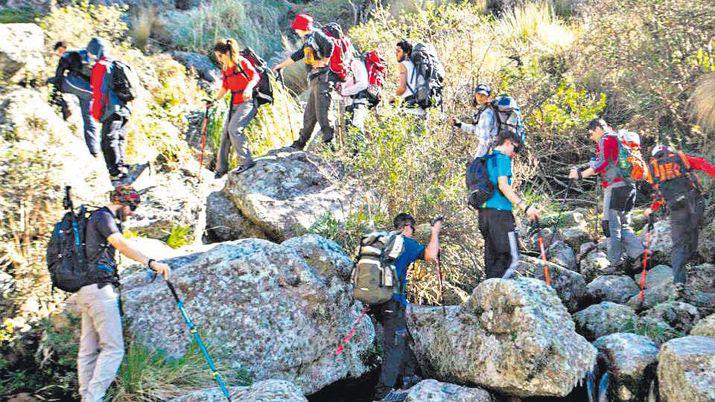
pixel 72 77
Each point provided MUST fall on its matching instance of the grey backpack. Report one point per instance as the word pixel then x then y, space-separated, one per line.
pixel 374 277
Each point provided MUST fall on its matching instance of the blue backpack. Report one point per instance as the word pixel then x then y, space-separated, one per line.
pixel 479 187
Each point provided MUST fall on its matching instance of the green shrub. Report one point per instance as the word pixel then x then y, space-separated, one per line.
pixel 179 236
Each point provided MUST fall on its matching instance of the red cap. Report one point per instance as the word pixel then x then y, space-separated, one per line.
pixel 304 22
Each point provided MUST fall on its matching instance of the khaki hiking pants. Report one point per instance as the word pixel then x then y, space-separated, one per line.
pixel 101 346
pixel 232 135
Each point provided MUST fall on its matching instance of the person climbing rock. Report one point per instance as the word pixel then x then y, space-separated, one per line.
pixel 72 77
pixel 398 358
pixel 484 126
pixel 619 197
pixel 408 80
pixel 101 345
pixel 675 185
pixel 496 220
pixel 239 77
pixel 315 52
pixel 109 110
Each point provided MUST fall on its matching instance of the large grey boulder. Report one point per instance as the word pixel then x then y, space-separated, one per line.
pixel 435 391
pixel 658 288
pixel 569 285
pixel 594 265
pixel 686 370
pixel 288 191
pixel 603 319
pixel 700 287
pixel 661 244
pixel 225 222
pixel 562 254
pixel 263 391
pixel 512 336
pixel 631 362
pixel 678 315
pixel 613 288
pixel 21 51
pixel 705 327
pixel 576 236
pixel 263 308
pixel 200 64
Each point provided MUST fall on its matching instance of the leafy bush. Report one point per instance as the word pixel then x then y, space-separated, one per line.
pixel 179 237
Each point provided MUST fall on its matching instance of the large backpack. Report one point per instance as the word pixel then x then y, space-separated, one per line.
pixel 66 250
pixel 426 65
pixel 630 159
pixel 374 277
pixel 342 51
pixel 507 114
pixel 124 81
pixel 376 69
pixel 479 187
pixel 263 91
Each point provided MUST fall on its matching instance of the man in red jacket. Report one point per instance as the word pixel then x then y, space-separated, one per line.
pixel 619 195
pixel 677 187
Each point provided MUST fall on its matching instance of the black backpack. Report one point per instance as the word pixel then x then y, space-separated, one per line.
pixel 263 92
pixel 66 250
pixel 124 81
pixel 427 65
pixel 479 188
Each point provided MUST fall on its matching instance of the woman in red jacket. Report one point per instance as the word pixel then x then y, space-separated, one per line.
pixel 239 77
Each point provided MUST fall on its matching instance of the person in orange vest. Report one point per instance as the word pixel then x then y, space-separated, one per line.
pixel 239 77
pixel 678 187
pixel 315 52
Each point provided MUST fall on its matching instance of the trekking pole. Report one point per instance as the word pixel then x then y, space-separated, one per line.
pixel 290 120
pixel 203 139
pixel 561 211
pixel 441 285
pixel 547 275
pixel 649 228
pixel 67 201
pixel 194 331
pixel 351 333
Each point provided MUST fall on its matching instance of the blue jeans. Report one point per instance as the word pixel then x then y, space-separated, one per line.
pixel 75 85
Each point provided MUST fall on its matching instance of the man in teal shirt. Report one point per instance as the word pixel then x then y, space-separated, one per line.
pixel 496 220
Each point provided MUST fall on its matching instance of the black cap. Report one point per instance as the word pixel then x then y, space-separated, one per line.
pixel 483 89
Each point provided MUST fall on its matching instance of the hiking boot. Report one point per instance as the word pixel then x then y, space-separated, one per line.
pixel 245 167
pixel 219 175
pixel 410 381
pixel 297 145
pixel 395 395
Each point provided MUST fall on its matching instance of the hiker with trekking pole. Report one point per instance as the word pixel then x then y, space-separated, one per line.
pixel 380 282
pixel 239 77
pixel 81 259
pixel 678 187
pixel 619 163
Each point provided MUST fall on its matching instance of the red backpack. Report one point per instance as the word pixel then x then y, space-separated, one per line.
pixel 376 69
pixel 342 51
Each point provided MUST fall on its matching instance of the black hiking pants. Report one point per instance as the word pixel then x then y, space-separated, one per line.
pixel 501 247
pixel 397 356
pixel 686 218
pixel 114 143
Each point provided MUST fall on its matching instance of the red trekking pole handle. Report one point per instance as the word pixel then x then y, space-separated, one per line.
pixel 547 274
pixel 353 329
pixel 203 139
pixel 641 296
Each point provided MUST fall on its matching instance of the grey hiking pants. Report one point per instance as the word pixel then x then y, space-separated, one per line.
pixel 686 218
pixel 232 135
pixel 317 111
pixel 114 143
pixel 618 201
pixel 75 85
pixel 101 345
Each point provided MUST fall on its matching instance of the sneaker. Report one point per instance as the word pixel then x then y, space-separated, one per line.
pixel 297 145
pixel 245 167
pixel 395 396
pixel 219 175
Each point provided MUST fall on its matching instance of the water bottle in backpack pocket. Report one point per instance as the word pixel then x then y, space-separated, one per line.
pixel 479 187
pixel 374 276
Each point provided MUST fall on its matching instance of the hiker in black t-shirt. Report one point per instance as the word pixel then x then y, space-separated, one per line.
pixel 315 52
pixel 101 346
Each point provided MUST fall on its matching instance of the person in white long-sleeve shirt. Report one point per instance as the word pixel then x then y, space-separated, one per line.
pixel 354 95
pixel 485 123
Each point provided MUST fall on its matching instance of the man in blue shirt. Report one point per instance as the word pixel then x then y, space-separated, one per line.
pixel 496 221
pixel 398 358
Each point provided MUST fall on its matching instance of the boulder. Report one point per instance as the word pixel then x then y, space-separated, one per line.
pixel 613 288
pixel 631 362
pixel 569 285
pixel 261 306
pixel 658 288
pixel 263 391
pixel 561 254
pixel 575 236
pixel 225 222
pixel 512 336
pixel 326 256
pixel 594 265
pixel 203 66
pixel 700 287
pixel 705 327
pixel 706 243
pixel 603 319
pixel 678 315
pixel 661 243
pixel 435 391
pixel 288 191
pixel 654 328
pixel 657 276
pixel 21 51
pixel 686 370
